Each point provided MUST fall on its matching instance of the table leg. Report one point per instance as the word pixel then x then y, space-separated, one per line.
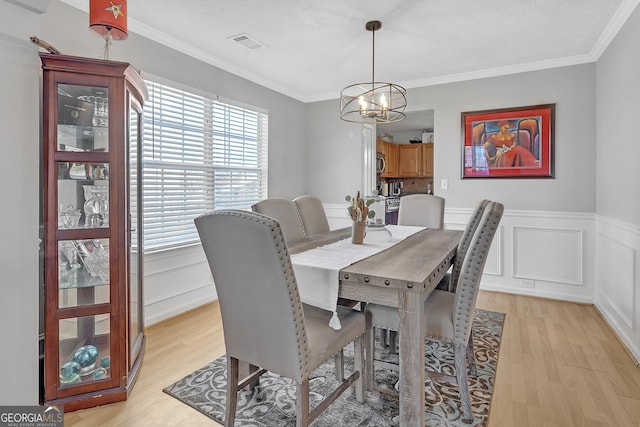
pixel 411 308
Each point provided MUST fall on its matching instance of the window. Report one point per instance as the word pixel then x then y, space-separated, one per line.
pixel 200 154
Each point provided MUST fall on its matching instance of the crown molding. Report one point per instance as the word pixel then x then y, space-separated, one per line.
pixel 621 15
pixel 37 6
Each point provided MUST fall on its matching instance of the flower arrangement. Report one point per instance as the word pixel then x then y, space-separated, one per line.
pixel 359 208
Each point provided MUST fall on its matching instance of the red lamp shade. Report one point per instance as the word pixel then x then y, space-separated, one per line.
pixel 107 16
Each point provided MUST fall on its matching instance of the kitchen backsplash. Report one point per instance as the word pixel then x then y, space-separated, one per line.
pixel 412 185
pixel 415 185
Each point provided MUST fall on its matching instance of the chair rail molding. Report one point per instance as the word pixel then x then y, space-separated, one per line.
pixel 564 240
pixel 176 280
pixel 544 254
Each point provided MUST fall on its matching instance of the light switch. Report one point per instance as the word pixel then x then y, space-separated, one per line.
pixel 444 184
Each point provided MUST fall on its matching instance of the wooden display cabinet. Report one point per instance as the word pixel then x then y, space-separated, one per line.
pixel 93 307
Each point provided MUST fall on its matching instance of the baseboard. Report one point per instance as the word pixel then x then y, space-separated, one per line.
pixel 632 351
pixel 535 293
pixel 156 313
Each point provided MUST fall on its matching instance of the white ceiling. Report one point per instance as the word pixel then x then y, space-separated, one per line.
pixel 314 48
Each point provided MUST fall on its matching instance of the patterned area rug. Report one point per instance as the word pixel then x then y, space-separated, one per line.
pixel 273 402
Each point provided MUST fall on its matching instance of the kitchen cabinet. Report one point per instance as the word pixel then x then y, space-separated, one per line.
pixel 410 160
pixel 427 160
pixel 415 160
pixel 390 152
pixel 94 339
pixel 391 168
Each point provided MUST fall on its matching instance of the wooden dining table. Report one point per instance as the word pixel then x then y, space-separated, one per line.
pixel 401 276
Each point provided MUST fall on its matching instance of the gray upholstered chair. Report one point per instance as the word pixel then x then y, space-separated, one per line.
pixel 450 280
pixel 312 215
pixel 424 210
pixel 264 321
pixel 284 211
pixel 314 221
pixel 449 316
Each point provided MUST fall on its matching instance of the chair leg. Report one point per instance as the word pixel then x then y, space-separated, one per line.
pixel 471 357
pixel 339 365
pixel 302 404
pixel 461 377
pixel 232 391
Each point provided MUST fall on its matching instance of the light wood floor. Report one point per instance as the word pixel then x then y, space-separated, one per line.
pixel 560 365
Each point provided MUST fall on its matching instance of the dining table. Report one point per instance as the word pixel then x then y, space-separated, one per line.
pixel 402 276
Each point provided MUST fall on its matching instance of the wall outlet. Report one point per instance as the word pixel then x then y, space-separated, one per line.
pixel 527 283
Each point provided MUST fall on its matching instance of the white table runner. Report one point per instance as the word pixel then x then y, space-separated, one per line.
pixel 317 269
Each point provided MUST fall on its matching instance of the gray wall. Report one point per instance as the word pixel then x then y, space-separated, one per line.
pixel 334 160
pixel 20 143
pixel 66 28
pixel 618 115
pixel 286 115
pixel 617 295
pixel 572 89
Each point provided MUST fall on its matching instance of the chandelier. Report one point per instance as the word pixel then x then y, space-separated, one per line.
pixel 373 102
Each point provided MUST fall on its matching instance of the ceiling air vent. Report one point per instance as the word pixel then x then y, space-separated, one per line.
pixel 246 41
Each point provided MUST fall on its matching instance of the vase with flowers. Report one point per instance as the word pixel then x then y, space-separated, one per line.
pixel 358 210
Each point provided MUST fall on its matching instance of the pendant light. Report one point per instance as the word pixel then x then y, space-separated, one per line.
pixel 373 102
pixel 109 20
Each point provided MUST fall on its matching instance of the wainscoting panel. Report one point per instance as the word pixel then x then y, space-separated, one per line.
pixel 175 281
pixel 617 294
pixel 337 215
pixel 545 254
pixel 493 265
pixel 619 272
pixel 552 255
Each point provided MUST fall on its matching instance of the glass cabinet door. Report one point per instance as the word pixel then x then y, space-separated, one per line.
pixel 83 206
pixel 135 230
pixel 84 349
pixel 83 118
pixel 83 195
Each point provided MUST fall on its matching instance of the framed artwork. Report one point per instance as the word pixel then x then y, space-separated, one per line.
pixel 508 143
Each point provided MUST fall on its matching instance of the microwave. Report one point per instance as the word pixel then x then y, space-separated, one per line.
pixel 380 163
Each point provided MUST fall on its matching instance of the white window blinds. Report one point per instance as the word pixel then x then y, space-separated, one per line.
pixel 199 154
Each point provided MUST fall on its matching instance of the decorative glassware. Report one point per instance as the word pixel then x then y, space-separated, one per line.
pixel 70 373
pixel 70 218
pixel 378 234
pixel 94 257
pixel 376 205
pixel 96 206
pixel 86 357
